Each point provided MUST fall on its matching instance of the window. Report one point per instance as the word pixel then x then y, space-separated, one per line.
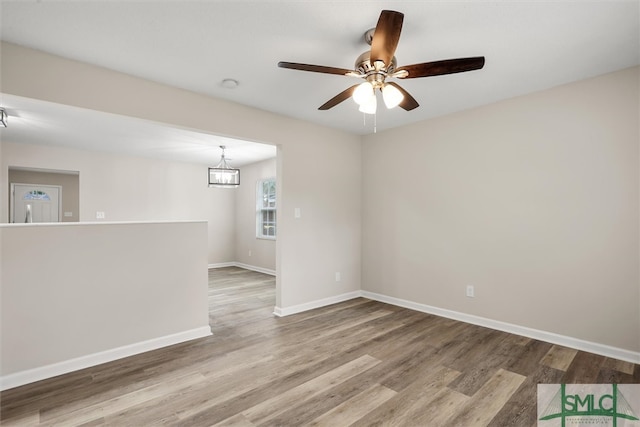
pixel 36 195
pixel 266 209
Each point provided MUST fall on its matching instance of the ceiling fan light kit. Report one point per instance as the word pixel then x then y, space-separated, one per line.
pixel 379 64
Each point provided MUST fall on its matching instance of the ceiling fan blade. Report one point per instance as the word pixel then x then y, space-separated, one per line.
pixel 315 68
pixel 386 36
pixel 345 94
pixel 409 102
pixel 438 68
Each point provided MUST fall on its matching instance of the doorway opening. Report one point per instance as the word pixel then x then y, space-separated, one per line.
pixel 43 195
pixel 35 203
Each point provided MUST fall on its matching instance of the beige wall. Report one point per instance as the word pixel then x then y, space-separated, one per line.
pixel 310 249
pixel 249 249
pixel 135 189
pixel 67 180
pixel 533 200
pixel 75 294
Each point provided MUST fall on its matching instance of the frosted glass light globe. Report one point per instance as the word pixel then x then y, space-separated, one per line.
pixel 392 96
pixel 363 93
pixel 370 106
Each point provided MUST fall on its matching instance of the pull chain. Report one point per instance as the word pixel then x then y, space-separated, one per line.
pixel 375 122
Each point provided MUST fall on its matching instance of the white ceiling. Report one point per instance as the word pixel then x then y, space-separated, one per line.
pixel 37 122
pixel 528 45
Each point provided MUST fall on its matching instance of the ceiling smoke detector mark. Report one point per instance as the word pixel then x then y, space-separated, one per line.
pixel 229 83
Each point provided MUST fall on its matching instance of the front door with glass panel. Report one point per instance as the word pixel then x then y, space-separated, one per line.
pixel 35 203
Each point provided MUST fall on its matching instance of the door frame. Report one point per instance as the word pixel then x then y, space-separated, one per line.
pixel 13 201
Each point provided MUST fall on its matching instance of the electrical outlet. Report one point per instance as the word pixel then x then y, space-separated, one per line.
pixel 249 252
pixel 471 292
pixel 100 215
pixel 338 278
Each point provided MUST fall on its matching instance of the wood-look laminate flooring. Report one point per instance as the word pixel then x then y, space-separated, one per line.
pixel 359 363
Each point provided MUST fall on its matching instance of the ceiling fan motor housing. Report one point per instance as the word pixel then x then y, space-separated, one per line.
pixel 375 73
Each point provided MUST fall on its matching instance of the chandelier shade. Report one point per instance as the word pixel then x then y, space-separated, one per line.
pixel 223 175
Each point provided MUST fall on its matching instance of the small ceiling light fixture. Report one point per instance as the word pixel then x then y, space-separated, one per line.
pixel 365 96
pixel 229 83
pixel 223 175
pixel 3 117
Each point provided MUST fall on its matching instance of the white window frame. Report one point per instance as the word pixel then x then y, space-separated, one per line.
pixel 261 209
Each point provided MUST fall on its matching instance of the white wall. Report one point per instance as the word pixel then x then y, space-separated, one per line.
pixel 251 250
pixel 134 189
pixel 310 249
pixel 533 200
pixel 74 295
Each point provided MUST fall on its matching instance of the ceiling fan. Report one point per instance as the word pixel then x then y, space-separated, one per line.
pixel 379 64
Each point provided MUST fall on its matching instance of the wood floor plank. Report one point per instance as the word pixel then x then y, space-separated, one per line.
pixel 480 409
pixel 355 408
pixel 306 411
pixel 619 365
pixel 611 376
pixel 258 369
pixel 488 358
pixel 238 420
pixel 412 401
pixel 584 369
pixel 74 415
pixel 559 357
pixel 267 409
pixel 529 359
pixel 434 410
pixel 289 371
pixel 23 420
pixel 521 408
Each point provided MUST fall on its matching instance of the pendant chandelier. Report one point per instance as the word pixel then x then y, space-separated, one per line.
pixel 223 175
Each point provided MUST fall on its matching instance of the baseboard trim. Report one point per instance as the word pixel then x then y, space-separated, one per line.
pixel 222 264
pixel 254 268
pixel 32 375
pixel 287 311
pixel 550 337
pixel 245 266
